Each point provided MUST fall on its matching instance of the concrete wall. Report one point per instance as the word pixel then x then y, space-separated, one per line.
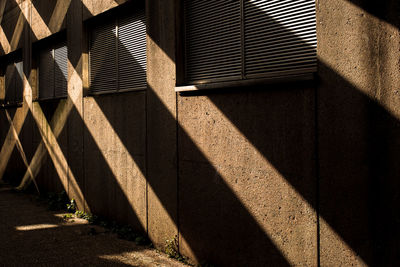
pixel 114 157
pixel 295 173
pixel 358 131
pixel 247 175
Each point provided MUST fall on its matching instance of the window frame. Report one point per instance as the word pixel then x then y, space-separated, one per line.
pixel 183 84
pixel 50 42
pixel 6 60
pixel 114 15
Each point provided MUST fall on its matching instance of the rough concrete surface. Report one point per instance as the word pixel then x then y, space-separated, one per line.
pixel 358 132
pixel 245 157
pixel 161 124
pixel 33 236
pixel 114 140
pixel 12 24
pixel 93 8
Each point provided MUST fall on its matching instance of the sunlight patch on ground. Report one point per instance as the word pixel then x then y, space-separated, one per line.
pixel 36 227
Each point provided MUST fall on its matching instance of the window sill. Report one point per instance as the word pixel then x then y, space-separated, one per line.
pixel 248 82
pixel 49 99
pixel 11 105
pixel 113 92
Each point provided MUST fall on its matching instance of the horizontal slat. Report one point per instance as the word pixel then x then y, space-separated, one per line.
pixel 288 24
pixel 46 73
pixel 212 39
pixel 299 70
pixel 201 9
pixel 279 36
pixel 293 26
pixel 211 22
pixel 281 47
pixel 132 51
pixel 281 61
pixel 221 68
pixel 219 54
pixel 281 54
pixel 60 70
pixel 283 11
pixel 10 77
pixel 228 39
pixel 215 77
pixel 103 52
pixel 19 81
pixel 288 67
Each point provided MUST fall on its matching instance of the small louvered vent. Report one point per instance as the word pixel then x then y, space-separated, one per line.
pixel 118 54
pixel 132 52
pixel 53 71
pixel 60 70
pixel 280 37
pixel 243 39
pixel 213 40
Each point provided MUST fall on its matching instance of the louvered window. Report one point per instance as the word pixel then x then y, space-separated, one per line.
pixel 53 71
pixel 248 39
pixel 118 54
pixel 13 83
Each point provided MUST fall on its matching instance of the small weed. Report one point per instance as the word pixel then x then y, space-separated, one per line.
pixel 172 250
pixel 71 207
pixel 68 216
pixel 60 201
pixel 123 231
pixel 84 215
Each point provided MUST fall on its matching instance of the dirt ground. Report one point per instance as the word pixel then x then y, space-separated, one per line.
pixel 30 235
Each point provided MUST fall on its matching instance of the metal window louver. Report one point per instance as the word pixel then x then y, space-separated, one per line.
pixel 53 71
pixel 103 53
pixel 46 73
pixel 118 54
pixel 10 77
pixel 19 81
pixel 60 70
pixel 132 52
pixel 213 40
pixel 14 83
pixel 270 37
pixel 279 37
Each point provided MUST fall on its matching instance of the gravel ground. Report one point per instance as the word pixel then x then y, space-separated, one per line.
pixel 30 235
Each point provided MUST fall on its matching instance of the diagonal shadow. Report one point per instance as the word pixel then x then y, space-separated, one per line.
pixel 108 195
pixel 387 11
pixel 253 238
pixel 347 220
pixel 16 140
pixel 338 212
pixel 23 220
pixel 357 147
pixel 61 141
pixel 11 27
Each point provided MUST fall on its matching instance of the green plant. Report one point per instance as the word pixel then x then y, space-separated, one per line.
pixel 172 249
pixel 68 216
pixel 123 231
pixel 60 201
pixel 84 215
pixel 71 206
